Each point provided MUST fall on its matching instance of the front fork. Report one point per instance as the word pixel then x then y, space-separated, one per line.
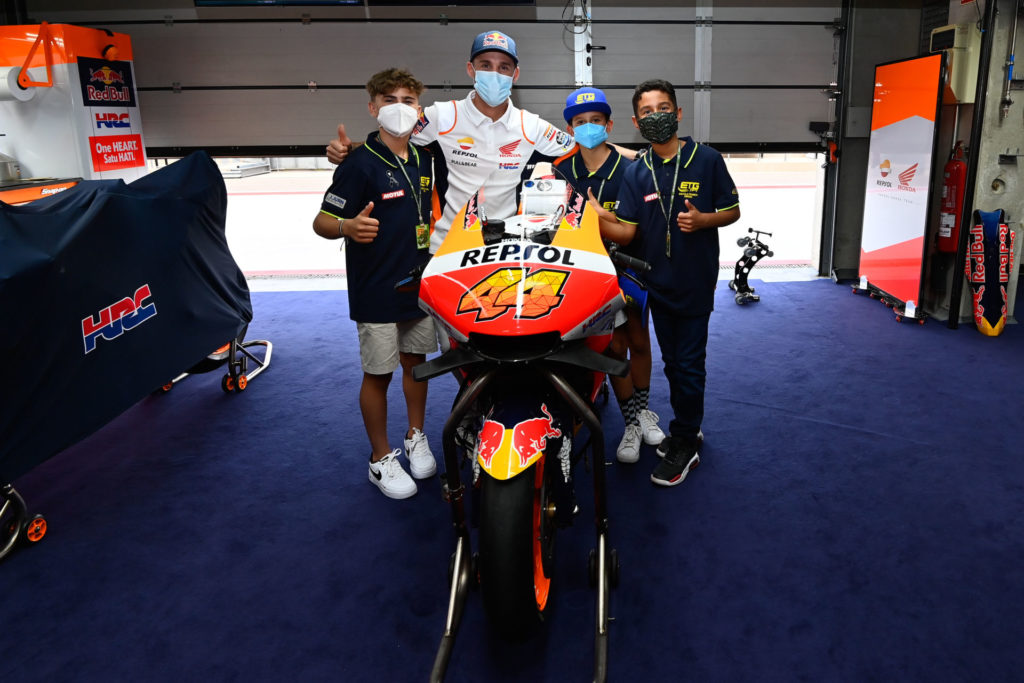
pixel 454 491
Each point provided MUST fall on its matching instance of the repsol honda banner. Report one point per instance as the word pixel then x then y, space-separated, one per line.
pixel 108 291
pixel 904 115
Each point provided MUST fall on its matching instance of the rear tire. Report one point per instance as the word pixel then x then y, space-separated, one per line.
pixel 514 539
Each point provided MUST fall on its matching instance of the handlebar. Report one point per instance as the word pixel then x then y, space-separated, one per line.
pixel 411 282
pixel 627 261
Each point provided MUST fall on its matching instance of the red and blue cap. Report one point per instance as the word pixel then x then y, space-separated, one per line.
pixel 585 100
pixel 494 40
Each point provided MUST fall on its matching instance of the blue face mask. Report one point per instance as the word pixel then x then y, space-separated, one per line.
pixel 493 87
pixel 590 135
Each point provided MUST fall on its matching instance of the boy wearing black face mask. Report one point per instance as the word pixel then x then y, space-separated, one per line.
pixel 598 167
pixel 380 202
pixel 677 197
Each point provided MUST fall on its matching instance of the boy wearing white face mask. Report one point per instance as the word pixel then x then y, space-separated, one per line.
pixel 380 202
pixel 485 139
pixel 598 167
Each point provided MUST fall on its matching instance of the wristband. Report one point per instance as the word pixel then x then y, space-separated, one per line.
pixel 341 228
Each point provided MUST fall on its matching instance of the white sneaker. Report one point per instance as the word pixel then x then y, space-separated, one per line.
pixel 393 481
pixel 649 427
pixel 629 447
pixel 421 460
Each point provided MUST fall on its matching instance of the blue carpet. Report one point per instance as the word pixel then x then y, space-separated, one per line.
pixel 858 516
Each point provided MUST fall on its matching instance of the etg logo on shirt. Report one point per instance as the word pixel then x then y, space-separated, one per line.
pixel 688 189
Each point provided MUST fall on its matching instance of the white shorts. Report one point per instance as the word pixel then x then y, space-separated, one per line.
pixel 380 343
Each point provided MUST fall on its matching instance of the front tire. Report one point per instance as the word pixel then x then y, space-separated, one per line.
pixel 515 545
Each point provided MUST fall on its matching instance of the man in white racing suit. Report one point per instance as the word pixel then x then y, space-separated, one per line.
pixel 485 139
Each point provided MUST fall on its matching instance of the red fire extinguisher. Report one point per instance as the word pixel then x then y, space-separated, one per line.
pixel 953 176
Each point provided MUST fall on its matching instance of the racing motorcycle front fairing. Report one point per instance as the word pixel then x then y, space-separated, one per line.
pixel 526 290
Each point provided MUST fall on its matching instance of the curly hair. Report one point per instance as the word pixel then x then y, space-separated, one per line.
pixel 389 80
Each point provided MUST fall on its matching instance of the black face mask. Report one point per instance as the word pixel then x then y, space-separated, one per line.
pixel 658 126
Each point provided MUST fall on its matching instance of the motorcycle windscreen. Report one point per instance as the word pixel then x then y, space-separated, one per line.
pixel 520 286
pixel 110 290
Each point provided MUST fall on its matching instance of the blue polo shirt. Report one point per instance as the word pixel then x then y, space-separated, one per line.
pixel 605 181
pixel 372 173
pixel 684 282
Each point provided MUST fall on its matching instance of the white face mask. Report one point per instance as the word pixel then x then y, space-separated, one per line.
pixel 398 119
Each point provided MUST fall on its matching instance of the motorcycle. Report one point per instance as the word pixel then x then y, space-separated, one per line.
pixel 529 305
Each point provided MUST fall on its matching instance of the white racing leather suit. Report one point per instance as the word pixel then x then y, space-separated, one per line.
pixel 483 153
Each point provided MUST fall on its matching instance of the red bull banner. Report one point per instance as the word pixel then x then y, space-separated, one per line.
pixel 106 84
pixel 904 115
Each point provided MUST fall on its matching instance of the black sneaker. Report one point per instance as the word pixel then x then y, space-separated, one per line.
pixel 665 444
pixel 677 463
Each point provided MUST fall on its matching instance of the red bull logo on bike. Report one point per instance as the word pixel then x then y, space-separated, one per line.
pixel 491 436
pixel 118 318
pixel 472 214
pixel 106 83
pixel 505 452
pixel 573 208
pixel 530 293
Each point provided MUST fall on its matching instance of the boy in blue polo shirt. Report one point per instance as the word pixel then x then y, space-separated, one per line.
pixel 674 199
pixel 380 202
pixel 597 167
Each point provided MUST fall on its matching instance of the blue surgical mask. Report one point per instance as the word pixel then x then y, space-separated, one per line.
pixel 493 87
pixel 590 135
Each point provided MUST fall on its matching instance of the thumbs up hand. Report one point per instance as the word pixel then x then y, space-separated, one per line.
pixel 339 147
pixel 362 228
pixel 692 219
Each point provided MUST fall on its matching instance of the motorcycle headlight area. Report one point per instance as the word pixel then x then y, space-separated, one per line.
pixel 504 348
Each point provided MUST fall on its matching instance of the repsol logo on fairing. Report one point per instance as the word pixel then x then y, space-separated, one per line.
pixel 514 252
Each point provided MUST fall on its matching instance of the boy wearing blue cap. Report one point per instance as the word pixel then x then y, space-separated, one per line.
pixel 598 167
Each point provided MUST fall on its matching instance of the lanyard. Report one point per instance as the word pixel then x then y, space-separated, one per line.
pixel 415 190
pixel 671 198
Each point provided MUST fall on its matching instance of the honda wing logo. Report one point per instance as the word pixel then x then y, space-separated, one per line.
pixel 908 175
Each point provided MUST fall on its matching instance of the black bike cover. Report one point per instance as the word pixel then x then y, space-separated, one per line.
pixel 107 291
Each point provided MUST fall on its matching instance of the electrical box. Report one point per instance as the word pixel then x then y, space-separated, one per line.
pixel 962 44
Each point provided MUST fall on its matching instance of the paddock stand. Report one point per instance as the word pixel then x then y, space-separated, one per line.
pixel 16 525
pixel 753 251
pixel 236 355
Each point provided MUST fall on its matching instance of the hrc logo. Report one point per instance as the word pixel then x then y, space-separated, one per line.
pixel 117 318
pixel 112 120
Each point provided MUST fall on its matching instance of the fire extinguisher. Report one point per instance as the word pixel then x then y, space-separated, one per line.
pixel 953 176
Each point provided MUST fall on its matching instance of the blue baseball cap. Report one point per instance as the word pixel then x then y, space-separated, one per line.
pixel 584 100
pixel 494 40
